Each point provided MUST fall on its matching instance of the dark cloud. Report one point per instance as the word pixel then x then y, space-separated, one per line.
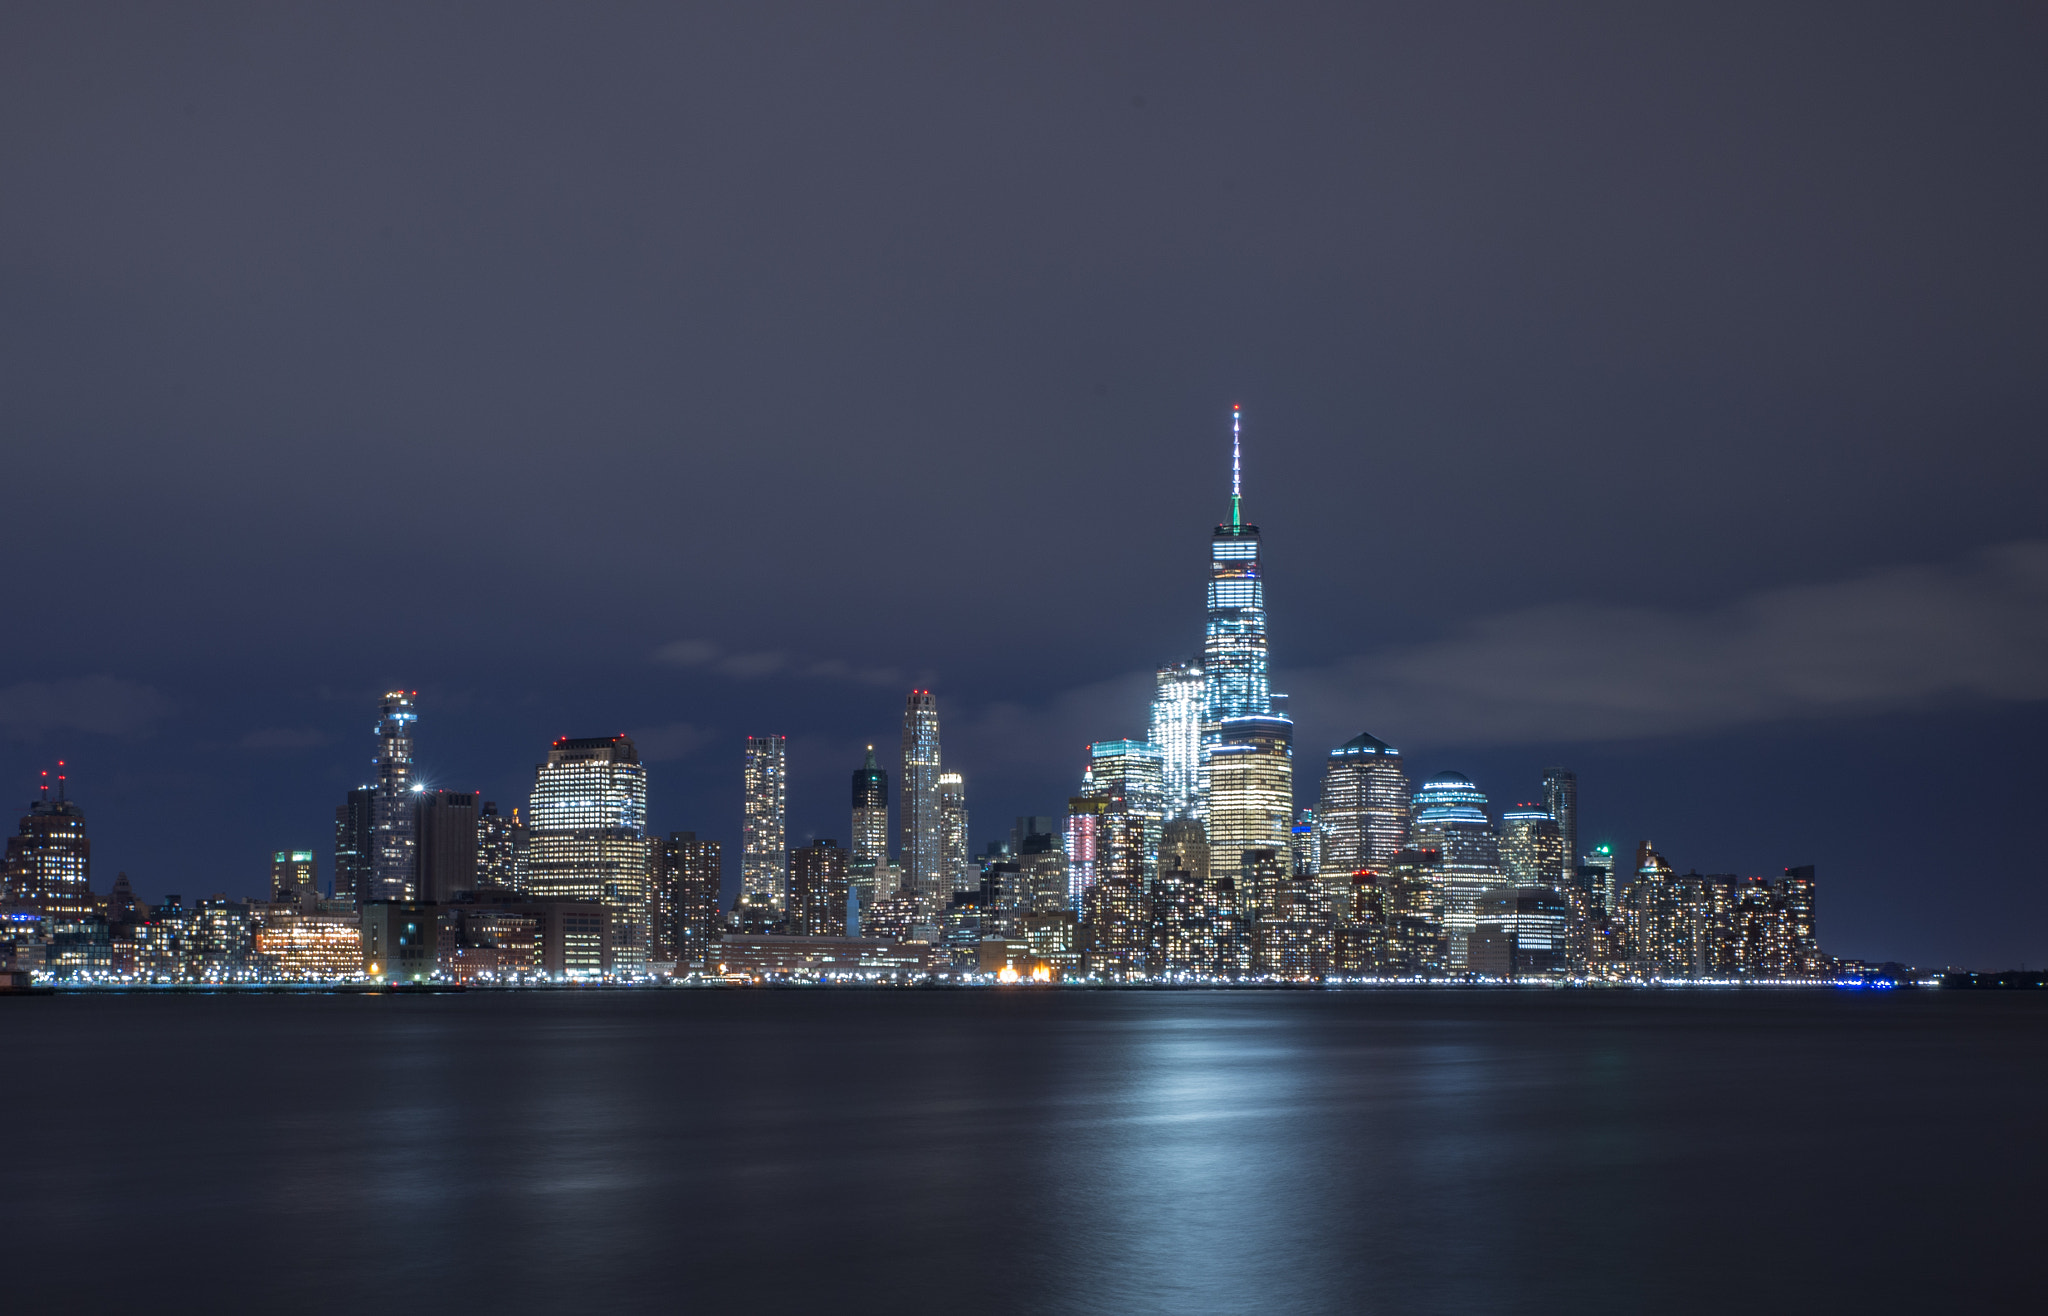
pixel 1885 642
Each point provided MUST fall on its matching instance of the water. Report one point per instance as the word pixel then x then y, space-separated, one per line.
pixel 1027 1151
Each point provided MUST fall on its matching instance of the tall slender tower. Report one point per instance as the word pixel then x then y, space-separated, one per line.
pixel 1177 730
pixel 1234 676
pixel 764 857
pixel 870 828
pixel 1561 797
pixel 919 781
pixel 394 859
pixel 953 845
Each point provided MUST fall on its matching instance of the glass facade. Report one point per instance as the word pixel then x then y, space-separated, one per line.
pixel 870 849
pixel 921 846
pixel 959 875
pixel 1531 847
pixel 1561 798
pixel 1450 817
pixel 764 848
pixel 394 863
pixel 1134 772
pixel 587 837
pixel 1251 792
pixel 1177 730
pixel 1234 673
pixel 1364 818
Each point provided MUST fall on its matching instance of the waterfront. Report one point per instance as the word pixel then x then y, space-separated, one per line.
pixel 1054 1151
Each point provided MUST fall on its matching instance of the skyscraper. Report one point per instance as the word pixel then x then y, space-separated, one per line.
pixel 1561 798
pixel 923 860
pixel 764 847
pixel 1531 847
pixel 393 861
pixel 1133 771
pixel 687 872
pixel 1084 818
pixel 587 836
pixel 1450 817
pixel 1251 791
pixel 817 890
pixel 498 843
pixel 953 865
pixel 49 860
pixel 444 834
pixel 355 844
pixel 870 849
pixel 1177 730
pixel 1364 817
pixel 1234 679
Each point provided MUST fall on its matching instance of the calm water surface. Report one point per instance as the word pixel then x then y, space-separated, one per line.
pixel 1042 1152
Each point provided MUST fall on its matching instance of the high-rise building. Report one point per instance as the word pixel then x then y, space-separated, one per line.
pixel 1521 932
pixel 1531 847
pixel 1251 791
pixel 870 849
pixel 587 836
pixel 1802 936
pixel 292 871
pixel 1561 799
pixel 1234 675
pixel 1177 730
pixel 394 863
pixel 764 843
pixel 1411 899
pixel 355 844
pixel 1116 922
pixel 687 873
pixel 1667 934
pixel 922 846
pixel 49 860
pixel 498 845
pixel 1449 815
pixel 1364 813
pixel 444 839
pixel 1084 817
pixel 1133 771
pixel 817 890
pixel 953 859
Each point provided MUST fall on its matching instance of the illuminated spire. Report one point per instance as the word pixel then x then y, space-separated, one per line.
pixel 1236 473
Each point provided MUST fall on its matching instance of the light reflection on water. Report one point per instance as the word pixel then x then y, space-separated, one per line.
pixel 1044 1152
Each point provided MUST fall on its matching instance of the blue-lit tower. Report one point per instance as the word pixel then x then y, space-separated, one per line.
pixel 394 847
pixel 1234 679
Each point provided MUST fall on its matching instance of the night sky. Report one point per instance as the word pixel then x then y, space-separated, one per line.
pixel 1655 391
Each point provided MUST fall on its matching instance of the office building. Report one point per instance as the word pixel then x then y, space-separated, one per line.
pixel 1449 816
pixel 953 845
pixel 355 844
pixel 444 841
pixel 499 844
pixel 1251 791
pixel 1531 847
pixel 1561 801
pixel 817 890
pixel 587 837
pixel 764 845
pixel 870 848
pixel 1084 820
pixel 1364 813
pixel 292 871
pixel 49 859
pixel 1234 659
pixel 922 845
pixel 295 944
pixel 1521 932
pixel 394 863
pixel 1177 730
pixel 1133 771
